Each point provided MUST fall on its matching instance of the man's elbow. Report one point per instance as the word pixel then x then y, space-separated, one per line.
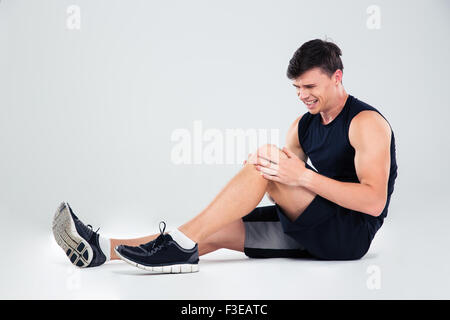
pixel 377 208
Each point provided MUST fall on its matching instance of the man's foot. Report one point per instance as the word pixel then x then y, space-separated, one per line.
pixel 79 242
pixel 163 254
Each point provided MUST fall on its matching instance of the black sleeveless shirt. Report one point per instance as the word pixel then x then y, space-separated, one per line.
pixel 331 153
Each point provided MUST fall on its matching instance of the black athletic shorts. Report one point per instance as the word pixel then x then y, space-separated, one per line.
pixel 324 231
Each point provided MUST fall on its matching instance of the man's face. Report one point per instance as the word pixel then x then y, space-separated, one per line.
pixel 316 89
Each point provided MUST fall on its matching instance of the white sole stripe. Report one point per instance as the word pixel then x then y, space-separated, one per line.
pixel 176 268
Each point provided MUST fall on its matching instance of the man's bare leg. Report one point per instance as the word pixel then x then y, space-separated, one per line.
pixel 293 200
pixel 242 194
pixel 238 198
pixel 219 225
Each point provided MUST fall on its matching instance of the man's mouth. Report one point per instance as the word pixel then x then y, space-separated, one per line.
pixel 311 104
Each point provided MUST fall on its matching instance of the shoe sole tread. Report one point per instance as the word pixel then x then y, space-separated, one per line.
pixel 67 237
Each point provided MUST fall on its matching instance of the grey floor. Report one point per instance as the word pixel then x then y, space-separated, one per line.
pixel 406 261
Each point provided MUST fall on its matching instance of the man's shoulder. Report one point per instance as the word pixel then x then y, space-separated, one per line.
pixel 368 122
pixel 293 128
pixel 362 113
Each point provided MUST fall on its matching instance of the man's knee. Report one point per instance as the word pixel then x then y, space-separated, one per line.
pixel 267 151
pixel 272 152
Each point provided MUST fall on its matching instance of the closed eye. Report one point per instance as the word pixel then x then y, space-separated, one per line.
pixel 307 86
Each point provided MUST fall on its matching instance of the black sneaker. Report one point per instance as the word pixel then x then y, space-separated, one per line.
pixel 79 242
pixel 161 255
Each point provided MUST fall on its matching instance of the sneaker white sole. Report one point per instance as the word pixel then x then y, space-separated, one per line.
pixel 175 268
pixel 76 248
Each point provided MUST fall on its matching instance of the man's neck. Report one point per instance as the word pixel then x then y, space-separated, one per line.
pixel 332 113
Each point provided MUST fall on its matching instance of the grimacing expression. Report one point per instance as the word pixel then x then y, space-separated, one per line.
pixel 316 89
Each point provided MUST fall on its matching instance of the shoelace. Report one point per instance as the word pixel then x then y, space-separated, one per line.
pixel 157 244
pixel 87 229
pixel 81 224
pixel 90 227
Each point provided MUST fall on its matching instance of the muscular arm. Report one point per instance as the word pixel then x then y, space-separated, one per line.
pixel 370 136
pixel 292 142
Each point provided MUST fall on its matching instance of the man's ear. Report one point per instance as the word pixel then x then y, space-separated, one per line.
pixel 337 76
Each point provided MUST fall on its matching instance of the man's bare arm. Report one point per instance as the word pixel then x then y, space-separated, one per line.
pixel 370 136
pixel 292 142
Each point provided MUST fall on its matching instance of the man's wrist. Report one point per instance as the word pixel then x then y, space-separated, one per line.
pixel 307 178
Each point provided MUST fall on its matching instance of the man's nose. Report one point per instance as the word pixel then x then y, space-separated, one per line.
pixel 302 94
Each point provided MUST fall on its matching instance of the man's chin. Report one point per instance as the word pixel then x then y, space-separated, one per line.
pixel 313 109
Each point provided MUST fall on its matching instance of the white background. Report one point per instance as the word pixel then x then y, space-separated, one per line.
pixel 86 116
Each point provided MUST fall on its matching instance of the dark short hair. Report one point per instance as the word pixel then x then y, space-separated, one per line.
pixel 315 53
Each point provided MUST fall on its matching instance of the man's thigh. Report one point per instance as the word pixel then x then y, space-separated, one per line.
pixel 293 200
